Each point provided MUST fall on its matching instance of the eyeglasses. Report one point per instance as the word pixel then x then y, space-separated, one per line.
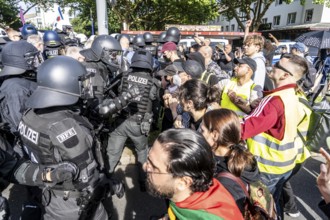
pixel 151 167
pixel 278 66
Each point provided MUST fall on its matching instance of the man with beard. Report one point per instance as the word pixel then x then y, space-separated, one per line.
pixel 180 168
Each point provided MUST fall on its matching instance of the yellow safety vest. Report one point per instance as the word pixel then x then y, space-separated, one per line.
pixel 305 112
pixel 244 92
pixel 206 76
pixel 278 156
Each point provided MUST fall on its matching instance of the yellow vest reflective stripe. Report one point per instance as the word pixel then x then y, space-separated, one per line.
pixel 305 112
pixel 207 75
pixel 244 92
pixel 278 156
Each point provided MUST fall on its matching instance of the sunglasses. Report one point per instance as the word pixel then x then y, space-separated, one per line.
pixel 278 66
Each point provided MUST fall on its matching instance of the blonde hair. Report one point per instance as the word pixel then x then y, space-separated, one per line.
pixel 256 40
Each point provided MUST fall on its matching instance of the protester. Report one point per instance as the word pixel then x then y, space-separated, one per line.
pixel 222 130
pixel 323 181
pixel 225 58
pixel 240 93
pixel 180 168
pixel 273 125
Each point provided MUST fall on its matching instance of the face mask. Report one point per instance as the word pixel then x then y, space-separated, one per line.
pixel 176 80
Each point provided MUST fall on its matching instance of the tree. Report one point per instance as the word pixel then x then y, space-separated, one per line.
pixel 9 12
pixel 253 10
pixel 143 14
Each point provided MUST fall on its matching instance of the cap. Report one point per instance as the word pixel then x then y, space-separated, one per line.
pixel 170 70
pixel 250 62
pixel 13 57
pixel 299 46
pixel 168 46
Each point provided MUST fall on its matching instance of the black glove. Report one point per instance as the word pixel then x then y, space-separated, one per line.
pixel 60 172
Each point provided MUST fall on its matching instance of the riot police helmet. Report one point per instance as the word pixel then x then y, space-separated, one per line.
pixel 100 45
pixel 58 82
pixel 173 35
pixel 138 41
pixel 27 30
pixel 161 37
pixel 51 39
pixel 18 57
pixel 131 39
pixel 142 59
pixel 148 38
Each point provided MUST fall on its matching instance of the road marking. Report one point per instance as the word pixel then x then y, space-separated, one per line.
pixel 311 173
pixel 308 209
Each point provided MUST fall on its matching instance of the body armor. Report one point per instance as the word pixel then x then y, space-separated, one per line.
pixel 61 135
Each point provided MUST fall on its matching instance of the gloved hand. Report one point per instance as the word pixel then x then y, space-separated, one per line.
pixel 57 173
pixel 115 186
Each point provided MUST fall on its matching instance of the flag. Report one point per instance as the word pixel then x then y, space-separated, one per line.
pixel 21 15
pixel 59 18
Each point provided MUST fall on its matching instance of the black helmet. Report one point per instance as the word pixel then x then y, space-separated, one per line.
pixel 123 35
pixel 173 35
pixel 58 83
pixel 51 39
pixel 131 39
pixel 148 38
pixel 142 59
pixel 18 57
pixel 161 37
pixel 193 68
pixel 139 41
pixel 101 44
pixel 27 30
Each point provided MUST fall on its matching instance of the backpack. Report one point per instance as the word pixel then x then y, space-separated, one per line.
pixel 259 204
pixel 318 129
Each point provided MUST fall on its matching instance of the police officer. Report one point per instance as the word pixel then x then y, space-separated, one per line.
pixel 53 44
pixel 149 39
pixel 17 85
pixel 27 30
pixel 134 121
pixel 52 131
pixel 139 42
pixel 173 35
pixel 102 63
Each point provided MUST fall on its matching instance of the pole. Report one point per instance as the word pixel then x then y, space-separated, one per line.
pixel 102 17
pixel 92 21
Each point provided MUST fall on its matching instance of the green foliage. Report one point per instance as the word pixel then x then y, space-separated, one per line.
pixel 252 10
pixel 9 11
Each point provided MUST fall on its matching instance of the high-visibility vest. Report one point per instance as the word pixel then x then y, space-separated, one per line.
pixel 206 76
pixel 278 156
pixel 244 92
pixel 305 112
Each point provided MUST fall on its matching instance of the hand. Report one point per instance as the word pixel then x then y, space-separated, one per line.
pixel 271 36
pixel 60 172
pixel 255 103
pixel 178 122
pixel 323 180
pixel 232 95
pixel 173 103
pixel 166 98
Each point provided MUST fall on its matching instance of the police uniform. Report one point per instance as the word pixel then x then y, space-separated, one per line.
pixel 53 136
pixel 135 120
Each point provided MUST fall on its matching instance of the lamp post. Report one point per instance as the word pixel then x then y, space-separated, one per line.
pixel 102 16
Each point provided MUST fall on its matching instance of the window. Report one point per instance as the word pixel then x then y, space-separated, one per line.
pixel 309 15
pixel 291 18
pixel 278 2
pixel 218 19
pixel 264 20
pixel 37 10
pixel 222 17
pixel 221 28
pixel 277 20
pixel 232 27
pixel 227 28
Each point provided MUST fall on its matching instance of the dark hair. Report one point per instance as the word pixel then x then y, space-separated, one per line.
pixel 190 155
pixel 227 124
pixel 199 93
pixel 299 64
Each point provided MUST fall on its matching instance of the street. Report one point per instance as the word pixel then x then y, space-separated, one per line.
pixel 140 206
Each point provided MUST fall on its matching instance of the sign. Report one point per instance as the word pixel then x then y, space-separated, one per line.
pixel 194 27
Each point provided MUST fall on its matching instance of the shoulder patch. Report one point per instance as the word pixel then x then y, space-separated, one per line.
pixel 66 135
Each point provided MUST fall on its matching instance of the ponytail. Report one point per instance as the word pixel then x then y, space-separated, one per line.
pixel 239 158
pixel 213 95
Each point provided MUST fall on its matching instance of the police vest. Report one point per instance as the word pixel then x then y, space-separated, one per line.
pixel 206 76
pixel 244 92
pixel 141 104
pixel 60 136
pixel 151 49
pixel 50 52
pixel 278 156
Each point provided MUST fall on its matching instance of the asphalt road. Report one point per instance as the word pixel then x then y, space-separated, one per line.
pixel 136 205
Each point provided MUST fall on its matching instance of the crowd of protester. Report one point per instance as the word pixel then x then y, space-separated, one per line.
pixel 229 121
